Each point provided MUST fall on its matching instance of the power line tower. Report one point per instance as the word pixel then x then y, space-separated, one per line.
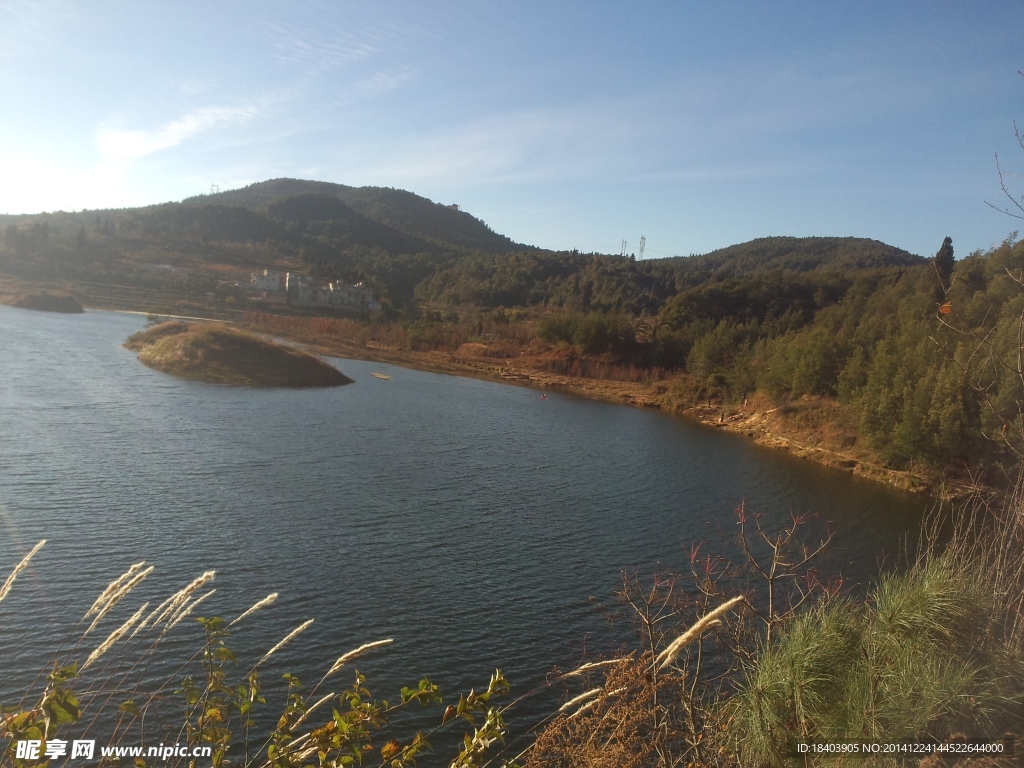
pixel 214 189
pixel 622 253
pixel 643 242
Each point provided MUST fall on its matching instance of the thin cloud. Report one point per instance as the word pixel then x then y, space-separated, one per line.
pixel 320 50
pixel 116 144
pixel 382 82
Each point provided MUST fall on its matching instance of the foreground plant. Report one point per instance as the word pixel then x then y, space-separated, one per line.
pixel 109 691
pixel 931 652
pixel 758 654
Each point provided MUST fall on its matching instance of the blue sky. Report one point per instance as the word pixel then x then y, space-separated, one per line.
pixel 574 124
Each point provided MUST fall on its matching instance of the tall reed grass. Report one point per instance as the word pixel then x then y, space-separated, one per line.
pixel 99 685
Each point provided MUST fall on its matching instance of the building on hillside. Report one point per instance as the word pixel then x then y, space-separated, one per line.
pixel 356 296
pixel 305 291
pixel 270 280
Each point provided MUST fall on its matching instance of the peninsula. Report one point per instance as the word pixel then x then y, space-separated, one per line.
pixel 215 353
pixel 46 301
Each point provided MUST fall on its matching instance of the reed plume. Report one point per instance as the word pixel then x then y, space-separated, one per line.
pixel 594 702
pixel 112 587
pixel 186 611
pixel 18 569
pixel 345 658
pixel 288 638
pixel 175 601
pixel 582 697
pixel 309 711
pixel 705 623
pixel 594 665
pixel 116 597
pixel 156 611
pixel 266 601
pixel 113 637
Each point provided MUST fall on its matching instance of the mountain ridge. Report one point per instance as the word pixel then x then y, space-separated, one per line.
pixel 397 208
pixel 413 251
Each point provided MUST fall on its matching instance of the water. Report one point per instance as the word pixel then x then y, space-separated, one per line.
pixel 468 520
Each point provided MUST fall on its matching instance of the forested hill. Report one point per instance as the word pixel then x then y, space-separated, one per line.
pixel 396 208
pixel 419 254
pixel 800 254
pixel 771 268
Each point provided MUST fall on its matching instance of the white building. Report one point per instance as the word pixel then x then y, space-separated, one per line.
pixel 270 280
pixel 306 291
pixel 356 296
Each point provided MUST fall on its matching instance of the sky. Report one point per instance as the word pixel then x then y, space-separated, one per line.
pixel 560 124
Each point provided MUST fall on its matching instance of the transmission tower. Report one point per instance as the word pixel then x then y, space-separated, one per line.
pixel 622 253
pixel 214 189
pixel 643 242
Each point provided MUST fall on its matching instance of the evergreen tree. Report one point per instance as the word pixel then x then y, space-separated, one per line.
pixel 944 267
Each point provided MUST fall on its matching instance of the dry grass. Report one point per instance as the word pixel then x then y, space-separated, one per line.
pixel 613 726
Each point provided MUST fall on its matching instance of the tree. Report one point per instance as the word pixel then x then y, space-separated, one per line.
pixel 944 268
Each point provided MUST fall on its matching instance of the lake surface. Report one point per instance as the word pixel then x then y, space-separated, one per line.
pixel 470 521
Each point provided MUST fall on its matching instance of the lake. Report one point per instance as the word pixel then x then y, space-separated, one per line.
pixel 471 521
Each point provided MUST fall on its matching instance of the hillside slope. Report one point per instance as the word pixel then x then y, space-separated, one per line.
pixel 396 208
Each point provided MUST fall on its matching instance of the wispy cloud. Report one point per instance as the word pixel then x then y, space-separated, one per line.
pixel 320 48
pixel 382 82
pixel 125 145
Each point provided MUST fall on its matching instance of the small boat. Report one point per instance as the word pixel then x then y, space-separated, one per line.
pixel 543 397
pixel 380 376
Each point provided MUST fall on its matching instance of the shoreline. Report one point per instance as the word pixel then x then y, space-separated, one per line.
pixel 763 422
pixel 766 426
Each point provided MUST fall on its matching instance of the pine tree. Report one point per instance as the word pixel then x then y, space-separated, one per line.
pixel 944 267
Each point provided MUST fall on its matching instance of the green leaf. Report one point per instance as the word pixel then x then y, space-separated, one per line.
pixel 62 706
pixel 130 707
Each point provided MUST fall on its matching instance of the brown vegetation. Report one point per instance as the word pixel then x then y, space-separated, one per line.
pixel 218 354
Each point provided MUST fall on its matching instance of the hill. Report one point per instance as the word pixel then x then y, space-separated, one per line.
pixel 442 225
pixel 586 282
pixel 798 254
pixel 413 253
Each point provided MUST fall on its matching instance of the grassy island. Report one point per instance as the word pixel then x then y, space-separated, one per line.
pixel 221 355
pixel 45 301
